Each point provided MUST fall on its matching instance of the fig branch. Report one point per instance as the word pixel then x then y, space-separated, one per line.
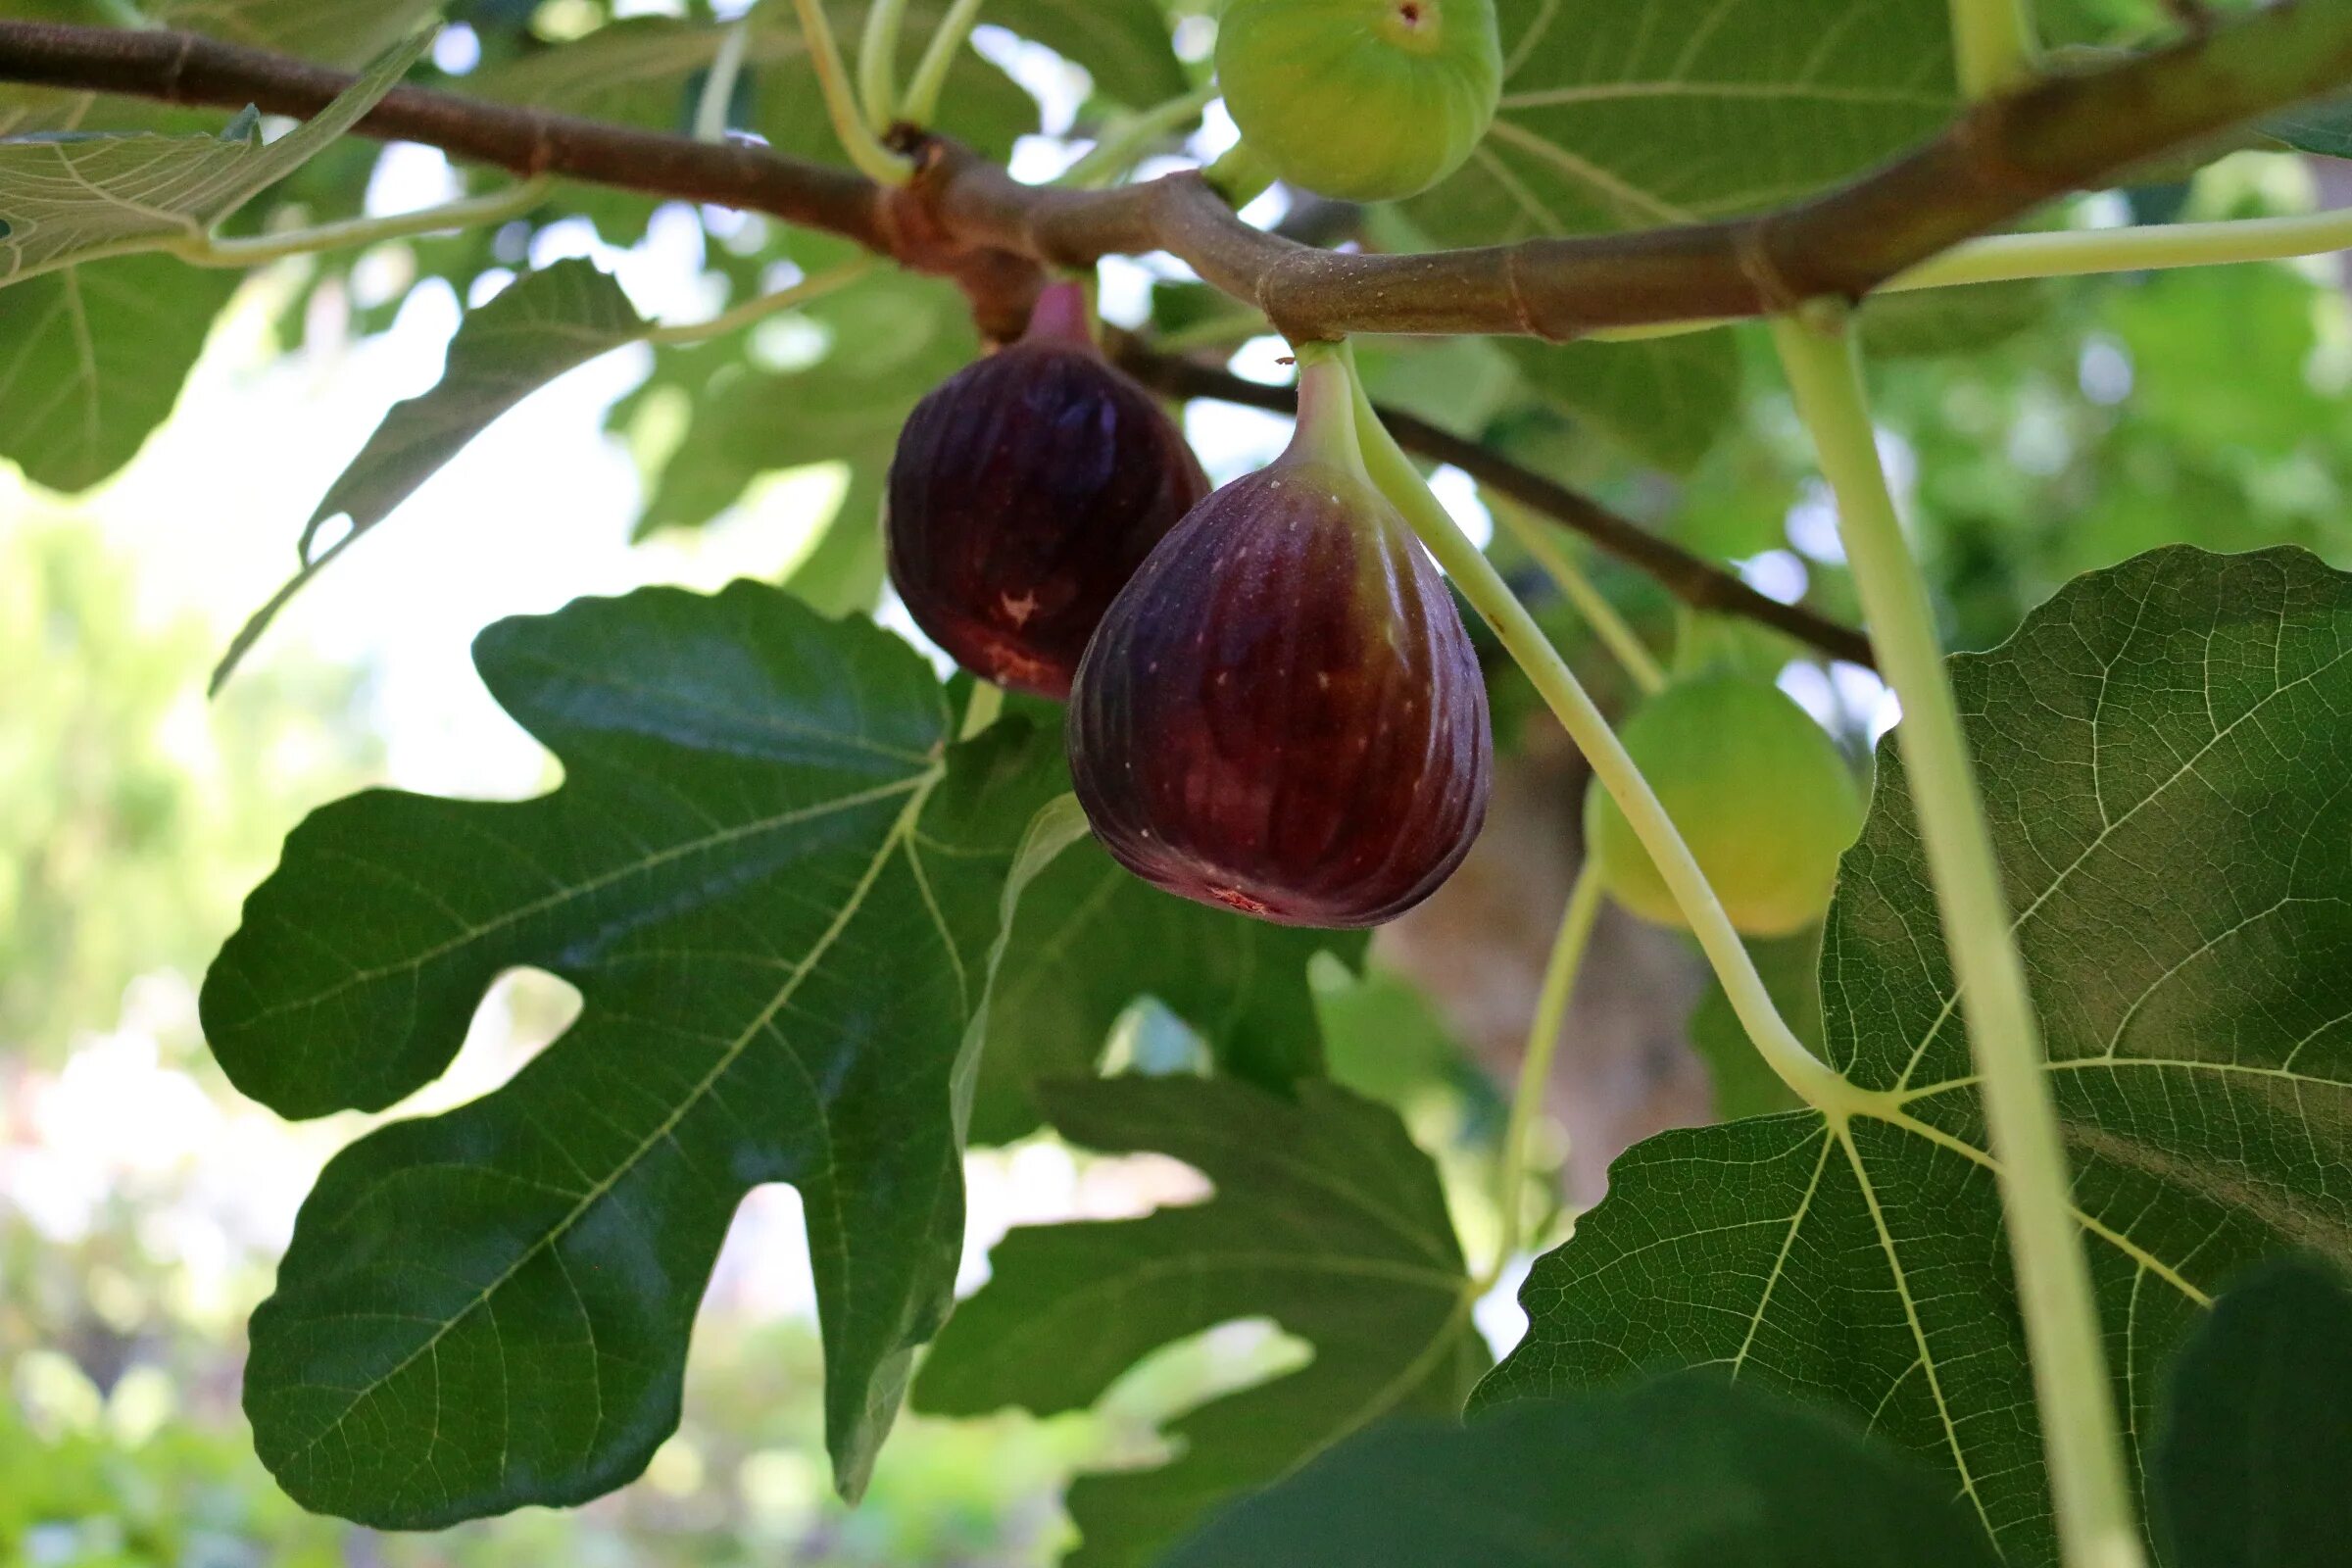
pixel 965 217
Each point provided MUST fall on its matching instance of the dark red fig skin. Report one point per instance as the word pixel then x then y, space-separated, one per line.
pixel 1281 713
pixel 1026 490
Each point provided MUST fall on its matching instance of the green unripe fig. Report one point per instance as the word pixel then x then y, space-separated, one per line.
pixel 1760 792
pixel 1365 100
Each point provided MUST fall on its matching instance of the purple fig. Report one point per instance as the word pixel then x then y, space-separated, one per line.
pixel 1026 490
pixel 1281 713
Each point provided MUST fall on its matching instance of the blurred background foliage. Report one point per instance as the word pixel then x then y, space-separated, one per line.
pixel 2036 432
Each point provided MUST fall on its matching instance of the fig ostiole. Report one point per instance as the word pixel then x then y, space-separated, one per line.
pixel 1026 490
pixel 1282 712
pixel 1758 791
pixel 1365 100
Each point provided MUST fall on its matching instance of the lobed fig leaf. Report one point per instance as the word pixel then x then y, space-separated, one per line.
pixel 1025 492
pixel 1281 713
pixel 1761 795
pixel 1365 100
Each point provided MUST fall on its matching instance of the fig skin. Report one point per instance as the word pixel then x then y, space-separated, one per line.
pixel 1281 713
pixel 1025 491
pixel 1363 100
pixel 1759 791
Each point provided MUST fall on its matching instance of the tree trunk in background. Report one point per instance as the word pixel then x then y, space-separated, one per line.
pixel 1478 948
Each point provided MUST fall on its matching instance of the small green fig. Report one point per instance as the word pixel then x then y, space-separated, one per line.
pixel 1760 792
pixel 1365 100
pixel 1281 713
pixel 1026 490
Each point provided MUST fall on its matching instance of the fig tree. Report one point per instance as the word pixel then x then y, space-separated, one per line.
pixel 1026 490
pixel 1281 713
pixel 1366 100
pixel 1761 795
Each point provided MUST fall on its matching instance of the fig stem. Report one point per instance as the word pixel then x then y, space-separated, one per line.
pixel 1325 431
pixel 760 309
pixel 1535 1067
pixel 718 85
pixel 2089 1485
pixel 209 250
pixel 1589 601
pixel 865 151
pixel 1482 586
pixel 1125 140
pixel 1993 45
pixel 878 63
pixel 1062 314
pixel 930 78
pixel 1239 177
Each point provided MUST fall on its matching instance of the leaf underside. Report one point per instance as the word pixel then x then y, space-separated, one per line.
pixel 1617 117
pixel 68 197
pixel 2164 748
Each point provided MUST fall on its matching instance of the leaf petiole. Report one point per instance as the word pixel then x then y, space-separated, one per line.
pixel 1538 540
pixel 930 79
pixel 753 311
pixel 1482 586
pixel 1535 1067
pixel 719 86
pixel 857 139
pixel 1126 139
pixel 878 61
pixel 209 250
pixel 1993 42
pixel 2092 1496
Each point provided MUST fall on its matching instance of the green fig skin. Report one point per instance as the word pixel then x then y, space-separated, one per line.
pixel 1282 712
pixel 1759 791
pixel 1363 100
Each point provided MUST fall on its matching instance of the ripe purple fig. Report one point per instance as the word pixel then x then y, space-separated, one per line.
pixel 1026 490
pixel 1281 713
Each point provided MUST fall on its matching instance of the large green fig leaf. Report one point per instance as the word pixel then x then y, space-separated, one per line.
pixel 93 356
pixel 344 33
pixel 2257 1436
pixel 75 196
pixel 92 359
pixel 1666 401
pixel 1125 45
pixel 1687 1472
pixel 1619 116
pixel 546 324
pixel 337 32
pixel 1089 939
pixel 2164 747
pixel 1326 1219
pixel 1622 115
pixel 775 886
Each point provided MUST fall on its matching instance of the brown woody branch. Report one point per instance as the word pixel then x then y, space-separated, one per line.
pixel 1696 581
pixel 965 217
